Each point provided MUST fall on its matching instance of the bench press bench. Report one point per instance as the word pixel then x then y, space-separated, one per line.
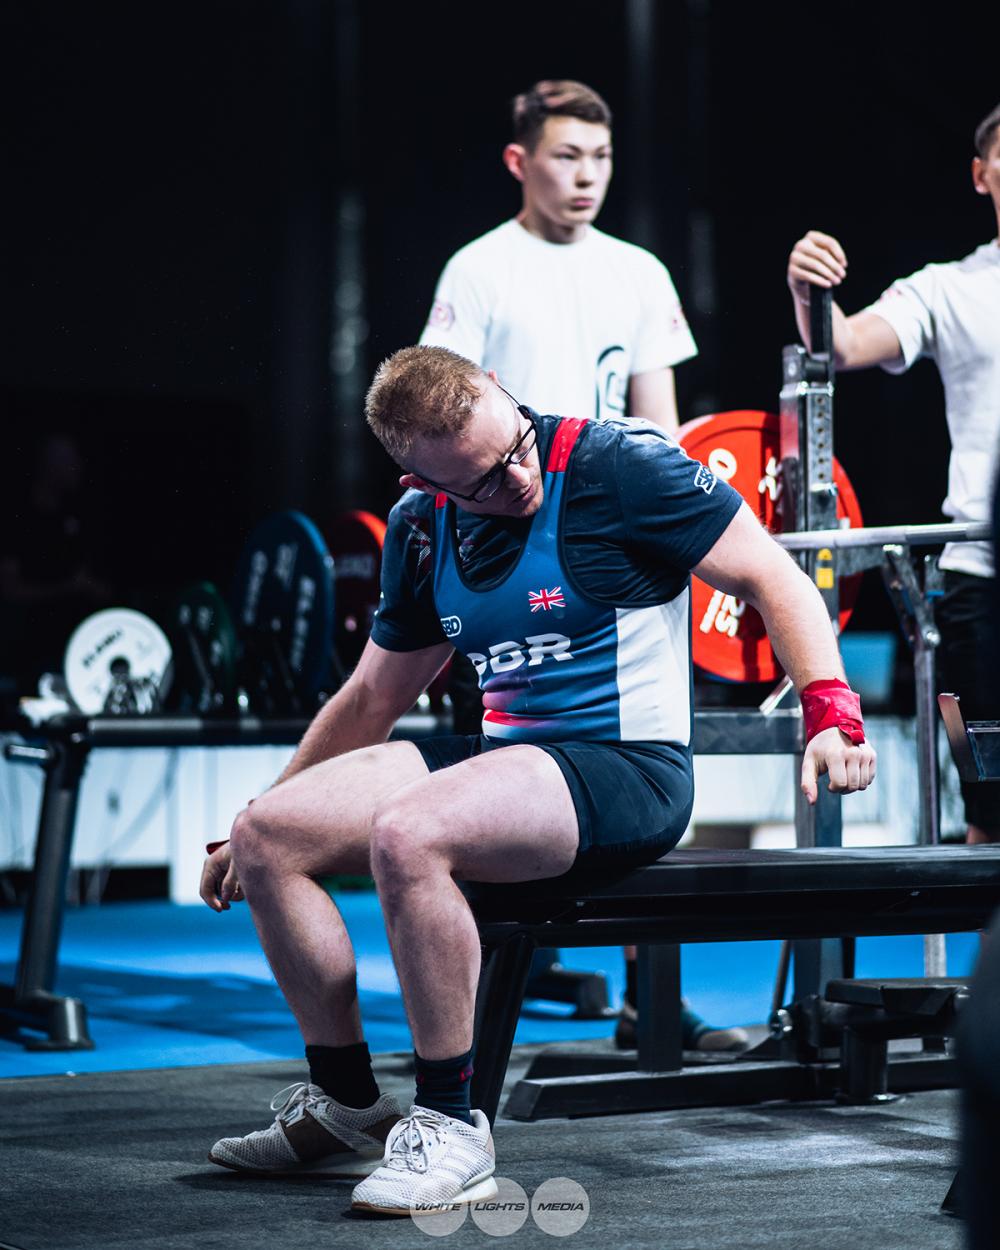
pixel 711 896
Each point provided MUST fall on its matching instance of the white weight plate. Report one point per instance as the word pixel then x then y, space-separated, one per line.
pixel 110 643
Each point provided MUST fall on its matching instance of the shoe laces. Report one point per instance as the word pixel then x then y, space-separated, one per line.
pixel 414 1138
pixel 288 1100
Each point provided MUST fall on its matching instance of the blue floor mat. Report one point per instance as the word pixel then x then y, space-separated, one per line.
pixel 173 986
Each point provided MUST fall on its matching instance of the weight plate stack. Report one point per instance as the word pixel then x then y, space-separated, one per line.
pixel 743 448
pixel 283 606
pixel 117 663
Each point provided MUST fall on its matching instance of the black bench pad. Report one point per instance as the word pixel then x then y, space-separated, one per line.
pixel 714 895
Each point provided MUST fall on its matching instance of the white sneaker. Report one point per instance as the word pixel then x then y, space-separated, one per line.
pixel 431 1160
pixel 314 1135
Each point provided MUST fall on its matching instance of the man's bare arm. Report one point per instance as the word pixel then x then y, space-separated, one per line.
pixel 652 396
pixel 748 564
pixel 859 341
pixel 384 685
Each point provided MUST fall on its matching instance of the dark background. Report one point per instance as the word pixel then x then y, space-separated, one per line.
pixel 208 206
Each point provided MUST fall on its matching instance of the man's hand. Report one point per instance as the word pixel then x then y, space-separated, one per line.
pixel 219 886
pixel 851 768
pixel 859 341
pixel 817 259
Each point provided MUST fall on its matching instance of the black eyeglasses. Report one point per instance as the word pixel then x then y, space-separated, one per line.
pixel 490 482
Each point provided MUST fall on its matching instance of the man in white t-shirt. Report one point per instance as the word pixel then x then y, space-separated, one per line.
pixel 574 322
pixel 951 314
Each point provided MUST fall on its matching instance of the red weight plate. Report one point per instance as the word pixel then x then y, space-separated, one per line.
pixel 355 540
pixel 744 449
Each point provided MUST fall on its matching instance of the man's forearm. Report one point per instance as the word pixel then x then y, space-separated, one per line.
pixel 352 718
pixel 799 628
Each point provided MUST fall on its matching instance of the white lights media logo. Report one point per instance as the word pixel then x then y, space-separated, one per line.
pixel 504 1214
pixel 559 1206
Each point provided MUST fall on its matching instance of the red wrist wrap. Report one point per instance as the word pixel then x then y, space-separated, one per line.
pixel 832 703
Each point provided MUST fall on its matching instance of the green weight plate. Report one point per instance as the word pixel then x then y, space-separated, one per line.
pixel 205 651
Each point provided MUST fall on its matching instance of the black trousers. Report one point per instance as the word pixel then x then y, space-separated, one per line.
pixel 967 665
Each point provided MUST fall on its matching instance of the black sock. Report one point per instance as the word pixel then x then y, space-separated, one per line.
pixel 631 982
pixel 444 1085
pixel 344 1072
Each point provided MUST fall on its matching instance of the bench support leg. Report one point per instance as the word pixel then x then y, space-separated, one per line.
pixel 498 1005
pixel 864 1069
pixel 659 1024
pixel 816 961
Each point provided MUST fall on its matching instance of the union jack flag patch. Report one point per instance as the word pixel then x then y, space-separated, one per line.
pixel 544 600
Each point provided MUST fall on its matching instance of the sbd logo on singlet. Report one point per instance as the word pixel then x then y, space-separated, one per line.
pixel 504 657
pixel 452 626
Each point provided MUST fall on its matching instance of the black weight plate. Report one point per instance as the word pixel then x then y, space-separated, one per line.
pixel 283 605
pixel 355 540
pixel 205 649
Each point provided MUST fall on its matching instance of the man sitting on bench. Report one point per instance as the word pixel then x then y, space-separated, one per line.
pixel 554 553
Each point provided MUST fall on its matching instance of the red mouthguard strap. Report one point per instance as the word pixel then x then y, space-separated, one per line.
pixel 832 703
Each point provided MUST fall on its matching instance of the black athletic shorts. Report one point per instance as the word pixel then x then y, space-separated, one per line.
pixel 967 666
pixel 632 799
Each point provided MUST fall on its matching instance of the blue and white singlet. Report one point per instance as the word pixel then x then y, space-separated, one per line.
pixel 553 664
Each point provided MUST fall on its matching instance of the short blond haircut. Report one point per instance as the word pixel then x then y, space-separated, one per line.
pixel 422 392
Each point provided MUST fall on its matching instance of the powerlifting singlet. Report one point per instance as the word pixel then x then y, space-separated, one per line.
pixel 553 664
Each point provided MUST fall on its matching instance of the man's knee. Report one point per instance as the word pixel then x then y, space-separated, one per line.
pixel 263 836
pixel 248 840
pixel 405 845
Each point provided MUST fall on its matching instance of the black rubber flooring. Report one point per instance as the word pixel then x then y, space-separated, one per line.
pixel 118 1160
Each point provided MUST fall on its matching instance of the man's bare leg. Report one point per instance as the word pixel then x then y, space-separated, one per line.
pixel 316 823
pixel 506 815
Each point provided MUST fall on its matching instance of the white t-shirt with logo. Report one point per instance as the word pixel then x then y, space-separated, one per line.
pixel 951 313
pixel 565 325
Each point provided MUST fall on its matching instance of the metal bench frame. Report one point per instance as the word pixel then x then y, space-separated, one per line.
pixel 709 896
